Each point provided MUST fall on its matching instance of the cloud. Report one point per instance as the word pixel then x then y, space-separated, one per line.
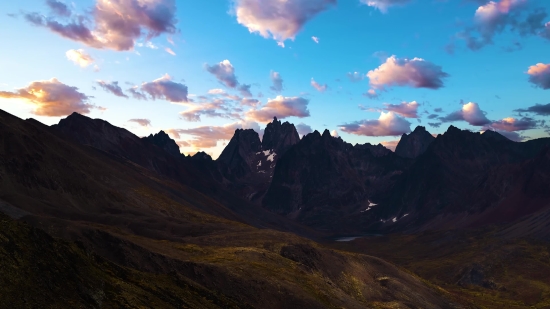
pixel 334 133
pixel 142 122
pixel 280 107
pixel 52 98
pixel 511 124
pixel 545 32
pixel 113 88
pixel 79 57
pixel 539 109
pixel 277 81
pixel 165 88
pixel 115 25
pixel 224 72
pixel 470 113
pixel 371 94
pixel 407 110
pixel 493 17
pixel 540 75
pixel 59 8
pixel 384 5
pixel 136 94
pixel 391 145
pixel 388 124
pixel 319 87
pixel 303 129
pixel 278 19
pixel 315 39
pixel 208 136
pixel 249 102
pixel 435 124
pixel 355 76
pixel 245 90
pixel 170 51
pixel 416 72
pixel 216 108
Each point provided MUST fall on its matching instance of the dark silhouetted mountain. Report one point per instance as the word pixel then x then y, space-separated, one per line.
pixel 414 144
pixel 279 137
pixel 490 134
pixel 238 156
pixel 377 150
pixel 163 141
pixel 322 179
pixel 133 237
pixel 460 178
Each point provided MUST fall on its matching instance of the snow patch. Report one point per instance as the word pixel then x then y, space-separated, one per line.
pixel 259 163
pixel 371 204
pixel 394 219
pixel 271 157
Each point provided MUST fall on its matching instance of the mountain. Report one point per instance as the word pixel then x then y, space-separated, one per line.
pixel 93 229
pixel 466 179
pixel 278 137
pixel 163 141
pixel 248 163
pixel 323 179
pixel 415 143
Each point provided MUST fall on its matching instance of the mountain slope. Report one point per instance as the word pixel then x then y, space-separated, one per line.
pixel 156 243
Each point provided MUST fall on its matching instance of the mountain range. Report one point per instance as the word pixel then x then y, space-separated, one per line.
pixel 97 217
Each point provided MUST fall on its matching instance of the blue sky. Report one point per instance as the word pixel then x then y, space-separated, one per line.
pixel 353 36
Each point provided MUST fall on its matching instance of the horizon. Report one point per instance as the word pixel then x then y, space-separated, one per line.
pixel 314 65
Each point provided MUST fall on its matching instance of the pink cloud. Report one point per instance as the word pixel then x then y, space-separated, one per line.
pixel 215 108
pixel 407 110
pixel 142 122
pixel 280 20
pixel 511 124
pixel 280 107
pixel 170 51
pixel 384 5
pixel 115 25
pixel 388 124
pixel 79 57
pixel 165 89
pixel 224 72
pixel 209 136
pixel 318 87
pixel 470 113
pixel 416 72
pixel 52 98
pixel 112 87
pixel 540 75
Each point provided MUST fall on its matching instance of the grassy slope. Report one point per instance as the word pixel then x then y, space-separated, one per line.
pixel 479 266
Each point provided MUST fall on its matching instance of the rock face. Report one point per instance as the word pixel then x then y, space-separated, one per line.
pixel 238 155
pixel 163 141
pixel 464 176
pixel 415 143
pixel 279 137
pixel 248 164
pixel 322 178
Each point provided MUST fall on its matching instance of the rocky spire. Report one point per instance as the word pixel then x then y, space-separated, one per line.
pixel 415 143
pixel 279 136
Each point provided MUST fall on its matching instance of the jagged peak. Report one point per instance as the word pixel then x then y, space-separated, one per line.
pixel 326 133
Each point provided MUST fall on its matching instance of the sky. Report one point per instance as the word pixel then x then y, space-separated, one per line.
pixel 366 70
